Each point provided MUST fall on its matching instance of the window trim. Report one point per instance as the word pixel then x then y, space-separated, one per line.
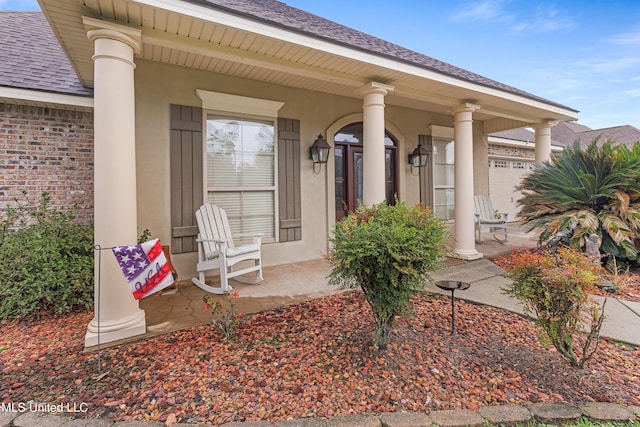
pixel 236 104
pixel 224 104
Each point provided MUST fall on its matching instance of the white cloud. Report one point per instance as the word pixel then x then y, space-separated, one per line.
pixel 545 18
pixel 481 11
pixel 632 38
pixel 634 93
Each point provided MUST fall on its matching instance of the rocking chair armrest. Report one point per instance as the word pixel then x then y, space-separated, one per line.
pixel 257 238
pixel 246 236
pixel 216 241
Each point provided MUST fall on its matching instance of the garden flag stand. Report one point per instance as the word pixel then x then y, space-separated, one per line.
pixel 145 267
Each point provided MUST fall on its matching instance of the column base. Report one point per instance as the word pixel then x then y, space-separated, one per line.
pixel 468 255
pixel 115 330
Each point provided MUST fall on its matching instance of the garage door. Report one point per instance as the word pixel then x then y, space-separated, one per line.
pixel 504 175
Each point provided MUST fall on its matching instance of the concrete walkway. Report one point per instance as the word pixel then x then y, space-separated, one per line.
pixel 622 318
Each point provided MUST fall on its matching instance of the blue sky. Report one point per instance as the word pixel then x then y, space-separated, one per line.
pixel 583 54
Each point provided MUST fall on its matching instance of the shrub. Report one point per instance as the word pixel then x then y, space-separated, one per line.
pixel 555 285
pixel 386 251
pixel 224 316
pixel 46 261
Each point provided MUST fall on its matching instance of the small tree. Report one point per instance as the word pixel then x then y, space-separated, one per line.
pixel 387 251
pixel 555 285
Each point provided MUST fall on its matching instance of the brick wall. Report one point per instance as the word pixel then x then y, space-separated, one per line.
pixel 508 151
pixel 45 149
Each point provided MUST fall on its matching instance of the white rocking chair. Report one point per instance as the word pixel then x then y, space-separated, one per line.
pixel 217 251
pixel 489 220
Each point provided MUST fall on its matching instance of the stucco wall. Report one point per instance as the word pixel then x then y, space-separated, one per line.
pixel 51 150
pixel 159 85
pixel 45 149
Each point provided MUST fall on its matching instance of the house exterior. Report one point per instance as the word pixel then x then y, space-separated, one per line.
pixel 46 118
pixel 219 101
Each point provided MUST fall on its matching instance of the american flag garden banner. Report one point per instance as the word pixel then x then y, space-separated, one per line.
pixel 145 267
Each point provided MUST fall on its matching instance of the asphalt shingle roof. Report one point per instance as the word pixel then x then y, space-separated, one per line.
pixel 520 134
pixel 277 13
pixel 568 132
pixel 31 57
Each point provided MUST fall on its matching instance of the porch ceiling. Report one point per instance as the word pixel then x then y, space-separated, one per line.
pixel 191 35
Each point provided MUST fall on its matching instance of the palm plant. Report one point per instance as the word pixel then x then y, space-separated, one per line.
pixel 586 190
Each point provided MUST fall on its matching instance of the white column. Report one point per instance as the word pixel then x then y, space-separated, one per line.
pixel 117 313
pixel 373 136
pixel 463 175
pixel 543 142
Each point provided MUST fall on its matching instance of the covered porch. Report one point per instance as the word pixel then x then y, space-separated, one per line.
pixel 283 285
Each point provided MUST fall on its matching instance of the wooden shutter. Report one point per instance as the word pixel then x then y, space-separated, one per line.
pixel 289 203
pixel 186 176
pixel 426 173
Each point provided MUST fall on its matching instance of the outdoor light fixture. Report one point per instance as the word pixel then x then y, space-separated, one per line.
pixel 319 152
pixel 419 157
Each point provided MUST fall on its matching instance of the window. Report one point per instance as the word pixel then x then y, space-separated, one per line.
pixel 518 165
pixel 501 164
pixel 443 178
pixel 240 172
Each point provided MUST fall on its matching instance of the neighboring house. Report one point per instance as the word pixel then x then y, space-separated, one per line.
pixel 511 155
pixel 566 133
pixel 220 100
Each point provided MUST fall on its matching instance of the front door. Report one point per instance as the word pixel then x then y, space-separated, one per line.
pixel 349 169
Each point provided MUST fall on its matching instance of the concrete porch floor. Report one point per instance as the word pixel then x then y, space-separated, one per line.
pixel 283 285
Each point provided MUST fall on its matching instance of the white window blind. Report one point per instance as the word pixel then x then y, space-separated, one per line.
pixel 241 172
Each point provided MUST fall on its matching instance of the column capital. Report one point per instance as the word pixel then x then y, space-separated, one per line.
pixel 465 107
pixel 99 29
pixel 545 124
pixel 375 88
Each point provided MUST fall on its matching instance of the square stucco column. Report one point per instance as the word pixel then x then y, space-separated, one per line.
pixel 373 151
pixel 463 176
pixel 543 142
pixel 117 313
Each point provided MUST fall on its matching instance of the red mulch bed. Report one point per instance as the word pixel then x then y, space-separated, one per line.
pixel 311 359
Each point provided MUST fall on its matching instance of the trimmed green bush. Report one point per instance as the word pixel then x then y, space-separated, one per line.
pixel 387 251
pixel 46 261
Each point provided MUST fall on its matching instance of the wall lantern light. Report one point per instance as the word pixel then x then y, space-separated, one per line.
pixel 319 152
pixel 419 157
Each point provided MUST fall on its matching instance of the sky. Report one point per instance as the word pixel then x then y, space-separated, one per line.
pixel 582 54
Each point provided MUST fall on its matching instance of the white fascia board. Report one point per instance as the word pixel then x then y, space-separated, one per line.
pixel 46 98
pixel 213 15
